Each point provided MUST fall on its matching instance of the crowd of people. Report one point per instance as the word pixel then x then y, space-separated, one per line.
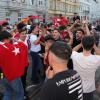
pixel 65 57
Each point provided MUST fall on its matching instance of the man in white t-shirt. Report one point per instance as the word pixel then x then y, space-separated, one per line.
pixel 86 64
pixel 34 52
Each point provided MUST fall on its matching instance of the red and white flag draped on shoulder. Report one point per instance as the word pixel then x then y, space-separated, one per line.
pixel 13 59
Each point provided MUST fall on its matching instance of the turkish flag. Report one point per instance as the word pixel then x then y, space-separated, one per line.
pixel 56 21
pixel 63 21
pixel 60 21
pixel 13 59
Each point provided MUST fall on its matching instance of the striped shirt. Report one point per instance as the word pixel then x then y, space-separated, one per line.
pixel 66 85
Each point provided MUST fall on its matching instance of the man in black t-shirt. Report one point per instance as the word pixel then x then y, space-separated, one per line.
pixel 77 38
pixel 62 84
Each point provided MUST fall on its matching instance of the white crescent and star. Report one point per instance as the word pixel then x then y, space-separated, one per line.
pixel 16 51
pixel 3 44
pixel 58 20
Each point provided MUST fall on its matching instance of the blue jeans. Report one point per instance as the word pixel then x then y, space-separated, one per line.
pixel 36 66
pixel 13 87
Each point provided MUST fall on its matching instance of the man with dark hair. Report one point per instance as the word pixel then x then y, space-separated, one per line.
pixel 13 59
pixel 78 37
pixel 5 35
pixel 5 26
pixel 56 34
pixel 21 35
pixel 76 17
pixel 88 42
pixel 75 40
pixel 86 65
pixel 21 26
pixel 78 33
pixel 62 84
pixel 49 40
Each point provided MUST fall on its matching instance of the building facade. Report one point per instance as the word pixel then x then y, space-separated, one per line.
pixel 90 9
pixel 15 10
pixel 64 7
pixel 84 10
pixel 95 10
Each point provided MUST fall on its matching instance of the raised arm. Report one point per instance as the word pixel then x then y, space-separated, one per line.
pixel 85 24
pixel 77 47
pixel 97 50
pixel 71 38
pixel 87 30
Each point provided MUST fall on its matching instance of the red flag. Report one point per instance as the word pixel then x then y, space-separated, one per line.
pixel 13 59
pixel 60 21
pixel 63 21
pixel 56 21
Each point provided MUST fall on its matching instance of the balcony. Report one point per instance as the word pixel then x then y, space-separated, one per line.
pixel 14 5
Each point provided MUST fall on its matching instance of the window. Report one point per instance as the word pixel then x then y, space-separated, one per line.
pixel 19 16
pixel 32 2
pixel 52 5
pixel 40 2
pixel 8 16
pixel 66 8
pixel 58 5
pixel 23 1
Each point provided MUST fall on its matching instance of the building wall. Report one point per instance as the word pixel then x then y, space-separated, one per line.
pixel 84 10
pixel 65 7
pixel 95 10
pixel 17 9
pixel 2 9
